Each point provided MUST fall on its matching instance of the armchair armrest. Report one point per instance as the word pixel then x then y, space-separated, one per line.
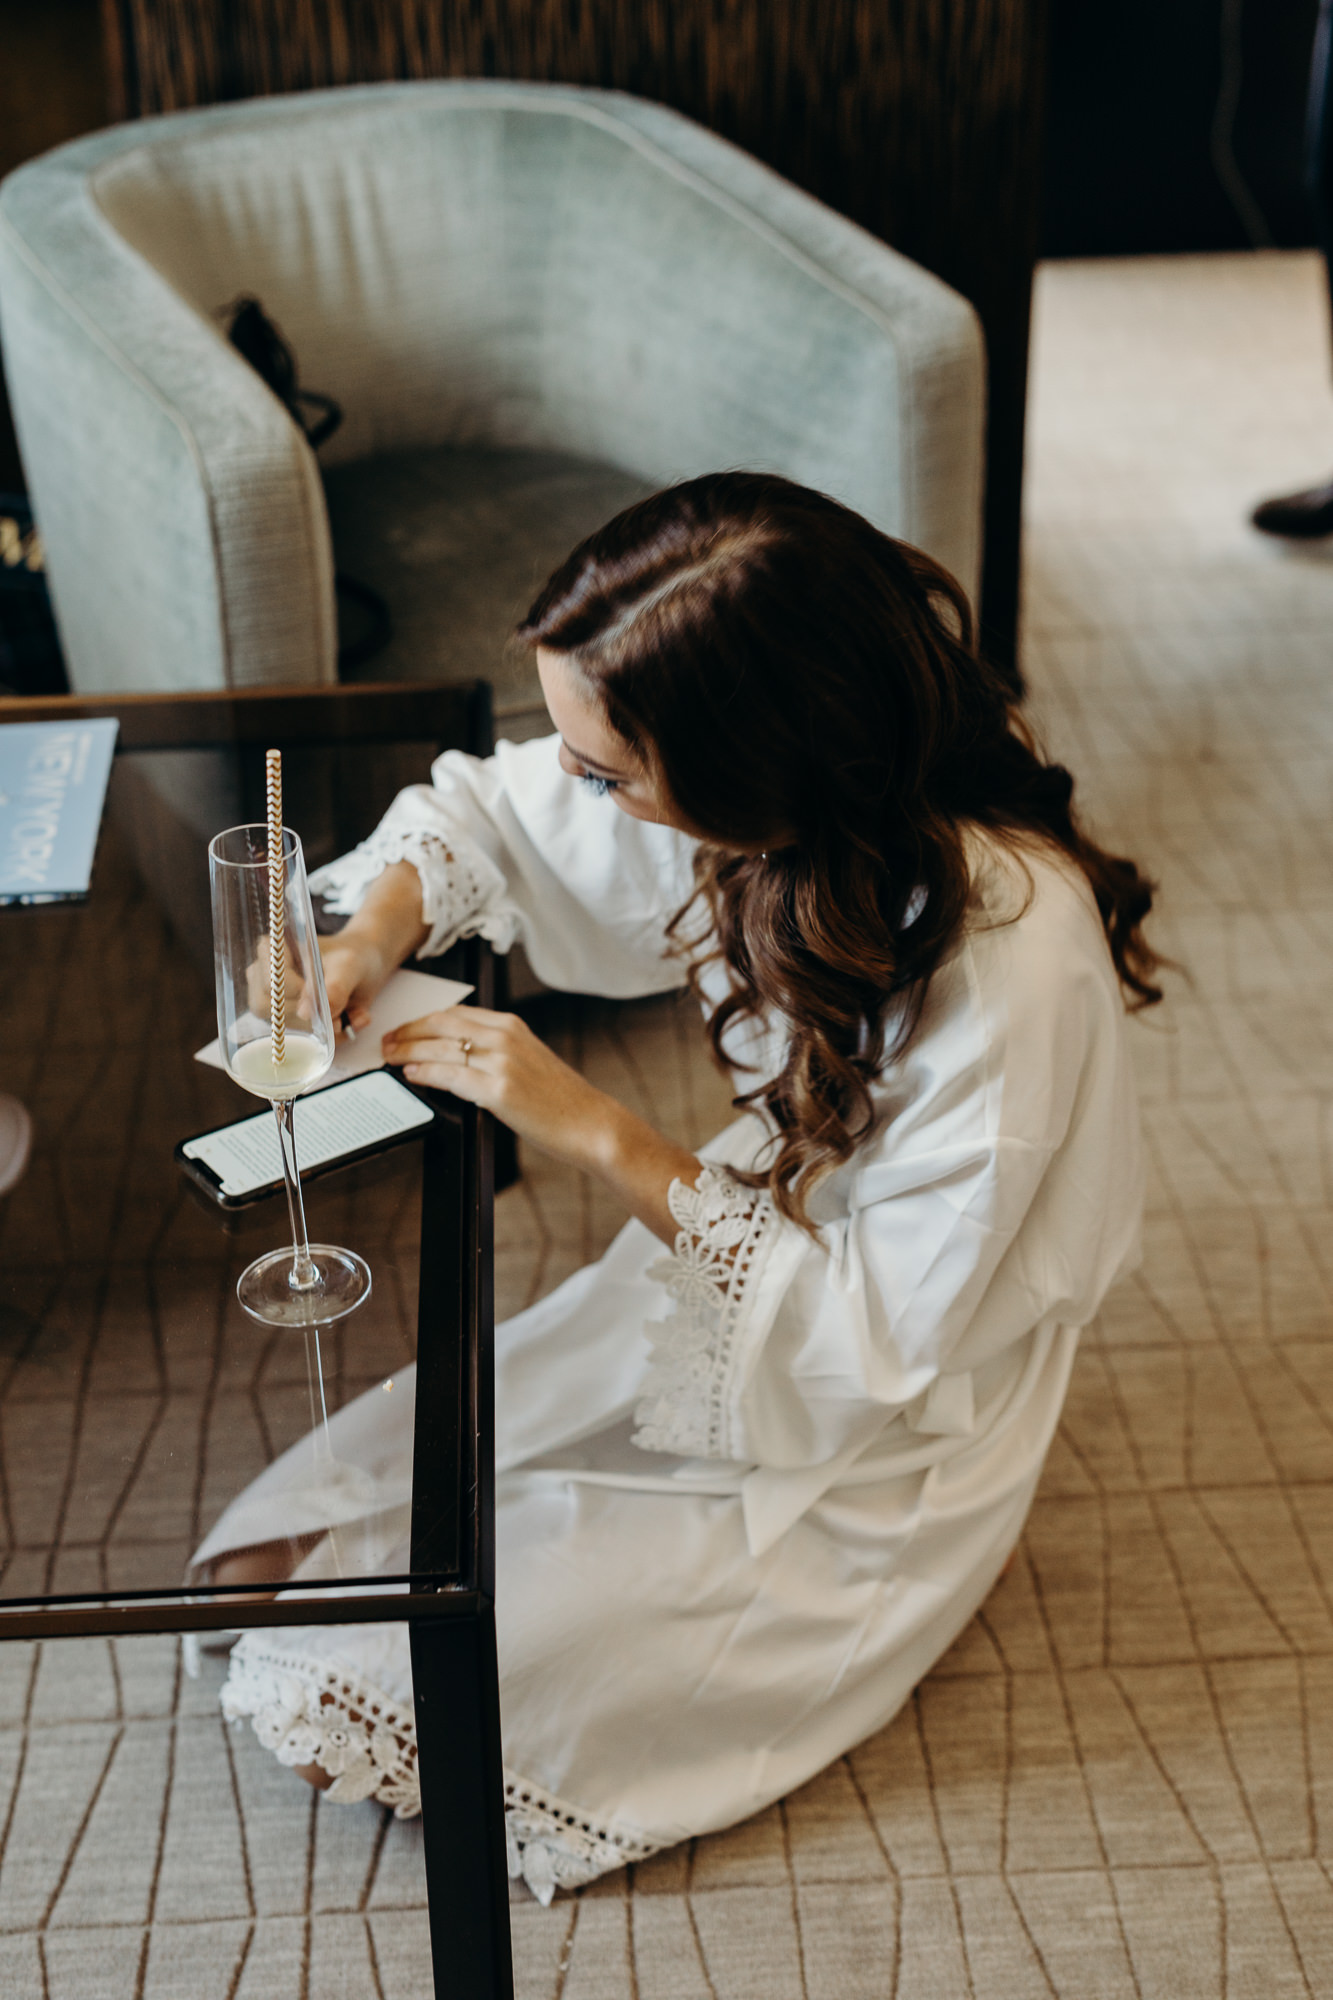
pixel 187 543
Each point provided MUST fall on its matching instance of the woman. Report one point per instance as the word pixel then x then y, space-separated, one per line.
pixel 754 1483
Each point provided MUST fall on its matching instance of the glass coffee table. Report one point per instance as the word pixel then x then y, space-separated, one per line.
pixel 136 1398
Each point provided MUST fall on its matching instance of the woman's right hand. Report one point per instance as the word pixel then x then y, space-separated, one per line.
pixel 355 968
pixel 373 943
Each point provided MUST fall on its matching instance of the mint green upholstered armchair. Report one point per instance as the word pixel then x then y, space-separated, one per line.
pixel 533 304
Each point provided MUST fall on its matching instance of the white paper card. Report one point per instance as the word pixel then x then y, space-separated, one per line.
pixel 246 1156
pixel 405 997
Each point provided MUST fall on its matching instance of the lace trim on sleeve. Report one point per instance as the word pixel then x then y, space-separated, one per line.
pixel 456 881
pixel 723 1228
pixel 307 1711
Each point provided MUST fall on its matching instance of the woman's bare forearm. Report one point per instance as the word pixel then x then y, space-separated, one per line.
pixel 389 920
pixel 639 1164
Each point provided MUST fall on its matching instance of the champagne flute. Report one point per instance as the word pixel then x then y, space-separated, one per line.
pixel 277 1052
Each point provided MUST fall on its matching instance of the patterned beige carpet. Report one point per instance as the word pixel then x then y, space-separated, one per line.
pixel 1119 1784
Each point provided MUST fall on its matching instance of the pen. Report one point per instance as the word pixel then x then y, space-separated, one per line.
pixel 345 1024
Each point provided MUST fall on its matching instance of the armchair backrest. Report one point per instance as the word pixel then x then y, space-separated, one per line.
pixel 463 264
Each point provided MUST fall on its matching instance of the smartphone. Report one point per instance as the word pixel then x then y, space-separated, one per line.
pixel 239 1164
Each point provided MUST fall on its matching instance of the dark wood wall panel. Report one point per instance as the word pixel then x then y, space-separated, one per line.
pixel 921 119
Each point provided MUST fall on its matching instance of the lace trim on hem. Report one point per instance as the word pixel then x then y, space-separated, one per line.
pixel 455 880
pixel 723 1228
pixel 552 1845
pixel 308 1711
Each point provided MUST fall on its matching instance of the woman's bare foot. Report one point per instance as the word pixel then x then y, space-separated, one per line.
pixel 263 1562
pixel 314 1774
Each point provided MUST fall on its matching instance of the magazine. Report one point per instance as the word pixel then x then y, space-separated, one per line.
pixel 53 779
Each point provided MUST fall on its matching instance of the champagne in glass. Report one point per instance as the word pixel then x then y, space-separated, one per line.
pixel 276 1036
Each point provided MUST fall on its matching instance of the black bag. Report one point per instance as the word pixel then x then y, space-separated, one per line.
pixel 30 658
pixel 253 335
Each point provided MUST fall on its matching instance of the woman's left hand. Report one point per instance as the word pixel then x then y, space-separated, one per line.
pixel 496 1061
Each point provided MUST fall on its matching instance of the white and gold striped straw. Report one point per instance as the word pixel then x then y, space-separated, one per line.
pixel 277 955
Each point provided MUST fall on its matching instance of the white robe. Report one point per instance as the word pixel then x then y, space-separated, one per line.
pixel 748 1491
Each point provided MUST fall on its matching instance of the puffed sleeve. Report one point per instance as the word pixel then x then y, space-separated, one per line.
pixel 999 1195
pixel 511 848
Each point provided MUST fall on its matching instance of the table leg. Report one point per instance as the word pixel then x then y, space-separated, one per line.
pixel 457 1694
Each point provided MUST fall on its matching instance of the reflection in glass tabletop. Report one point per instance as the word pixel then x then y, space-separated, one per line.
pixel 136 1398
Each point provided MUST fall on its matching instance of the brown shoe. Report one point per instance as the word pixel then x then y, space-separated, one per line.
pixel 1305 516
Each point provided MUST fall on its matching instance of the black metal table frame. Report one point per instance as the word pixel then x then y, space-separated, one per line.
pixel 450 1602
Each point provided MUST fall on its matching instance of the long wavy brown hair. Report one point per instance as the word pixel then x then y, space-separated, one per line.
pixel 809 693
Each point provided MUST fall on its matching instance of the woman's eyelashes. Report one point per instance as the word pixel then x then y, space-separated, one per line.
pixel 601 788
